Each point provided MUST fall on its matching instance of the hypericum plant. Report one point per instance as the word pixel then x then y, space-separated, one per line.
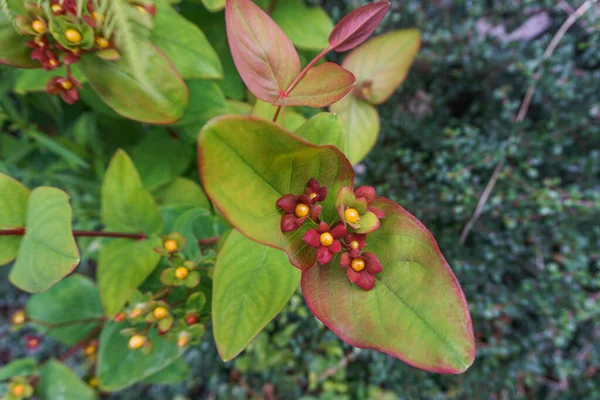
pixel 286 212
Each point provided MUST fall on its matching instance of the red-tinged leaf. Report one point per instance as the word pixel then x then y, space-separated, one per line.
pixel 416 311
pixel 264 56
pixel 382 63
pixel 357 26
pixel 322 86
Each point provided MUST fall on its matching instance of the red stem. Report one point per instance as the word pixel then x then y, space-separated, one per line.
pixel 21 231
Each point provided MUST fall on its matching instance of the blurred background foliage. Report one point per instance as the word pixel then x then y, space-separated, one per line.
pixel 529 267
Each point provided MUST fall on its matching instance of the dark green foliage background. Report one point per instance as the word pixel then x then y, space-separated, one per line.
pixel 530 267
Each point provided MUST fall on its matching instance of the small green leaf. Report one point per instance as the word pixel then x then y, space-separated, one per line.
pixel 48 251
pixel 177 372
pixel 182 191
pixel 238 107
pixel 214 5
pixel 265 162
pixel 74 298
pixel 361 126
pixel 159 158
pixel 323 128
pixel 57 381
pixel 35 80
pixel 416 311
pixel 184 44
pixel 288 117
pixel 251 284
pixel 120 367
pixel 307 27
pixel 13 211
pixel 194 224
pixel 126 205
pixel 20 367
pixel 122 266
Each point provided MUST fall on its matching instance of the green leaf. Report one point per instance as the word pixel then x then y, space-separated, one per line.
pixel 35 80
pixel 122 266
pixel 177 372
pixel 48 251
pixel 74 298
pixel 58 382
pixel 288 117
pixel 382 63
pixel 238 107
pixel 361 126
pixel 194 224
pixel 159 158
pixel 159 96
pixel 416 311
pixel 13 50
pixel 126 205
pixel 20 367
pixel 53 145
pixel 214 5
pixel 264 162
pixel 119 367
pixel 323 128
pixel 206 101
pixel 184 44
pixel 307 27
pixel 13 212
pixel 251 284
pixel 182 191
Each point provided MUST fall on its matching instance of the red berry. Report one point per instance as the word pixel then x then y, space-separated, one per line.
pixel 120 317
pixel 191 319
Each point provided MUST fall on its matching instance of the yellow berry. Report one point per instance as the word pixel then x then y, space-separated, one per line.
pixel 18 390
pixel 301 210
pixel 137 341
pixel 326 239
pixel 160 312
pixel 19 317
pixel 136 312
pixel 38 26
pixel 102 42
pixel 182 340
pixel 53 63
pixel 181 272
pixel 354 244
pixel 56 8
pixel 93 382
pixel 171 245
pixel 90 350
pixel 142 9
pixel 351 215
pixel 312 196
pixel 96 16
pixel 358 264
pixel 67 85
pixel 72 36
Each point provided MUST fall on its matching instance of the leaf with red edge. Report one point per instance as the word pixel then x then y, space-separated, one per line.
pixel 262 163
pixel 322 86
pixel 264 56
pixel 416 311
pixel 357 26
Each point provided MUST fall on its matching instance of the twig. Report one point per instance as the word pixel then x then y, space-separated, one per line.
pixel 522 114
pixel 77 233
pixel 347 359
pixel 81 343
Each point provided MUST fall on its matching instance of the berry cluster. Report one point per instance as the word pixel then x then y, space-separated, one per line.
pixel 347 236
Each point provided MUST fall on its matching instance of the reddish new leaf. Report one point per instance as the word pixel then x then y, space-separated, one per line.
pixel 357 26
pixel 263 55
pixel 416 310
pixel 322 86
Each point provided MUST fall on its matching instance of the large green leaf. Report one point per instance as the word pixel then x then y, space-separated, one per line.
pixel 122 266
pixel 119 367
pixel 177 372
pixel 59 382
pixel 19 367
pixel 307 27
pixel 13 212
pixel 184 44
pixel 382 63
pixel 126 205
pixel 251 284
pixel 159 158
pixel 264 162
pixel 182 191
pixel 361 126
pixel 416 311
pixel 13 50
pixel 48 251
pixel 158 96
pixel 74 298
pixel 323 128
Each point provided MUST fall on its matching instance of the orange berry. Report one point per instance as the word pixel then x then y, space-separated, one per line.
pixel 142 9
pixel 120 317
pixel 18 390
pixel 301 210
pixel 56 8
pixel 326 239
pixel 93 382
pixel 90 350
pixel 38 26
pixel 96 16
pixel 72 36
pixel 312 196
pixel 137 341
pixel 102 42
pixel 171 245
pixel 183 340
pixel 160 312
pixel 181 272
pixel 351 215
pixel 53 63
pixel 67 85
pixel 358 264
pixel 136 312
pixel 354 244
pixel 18 317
